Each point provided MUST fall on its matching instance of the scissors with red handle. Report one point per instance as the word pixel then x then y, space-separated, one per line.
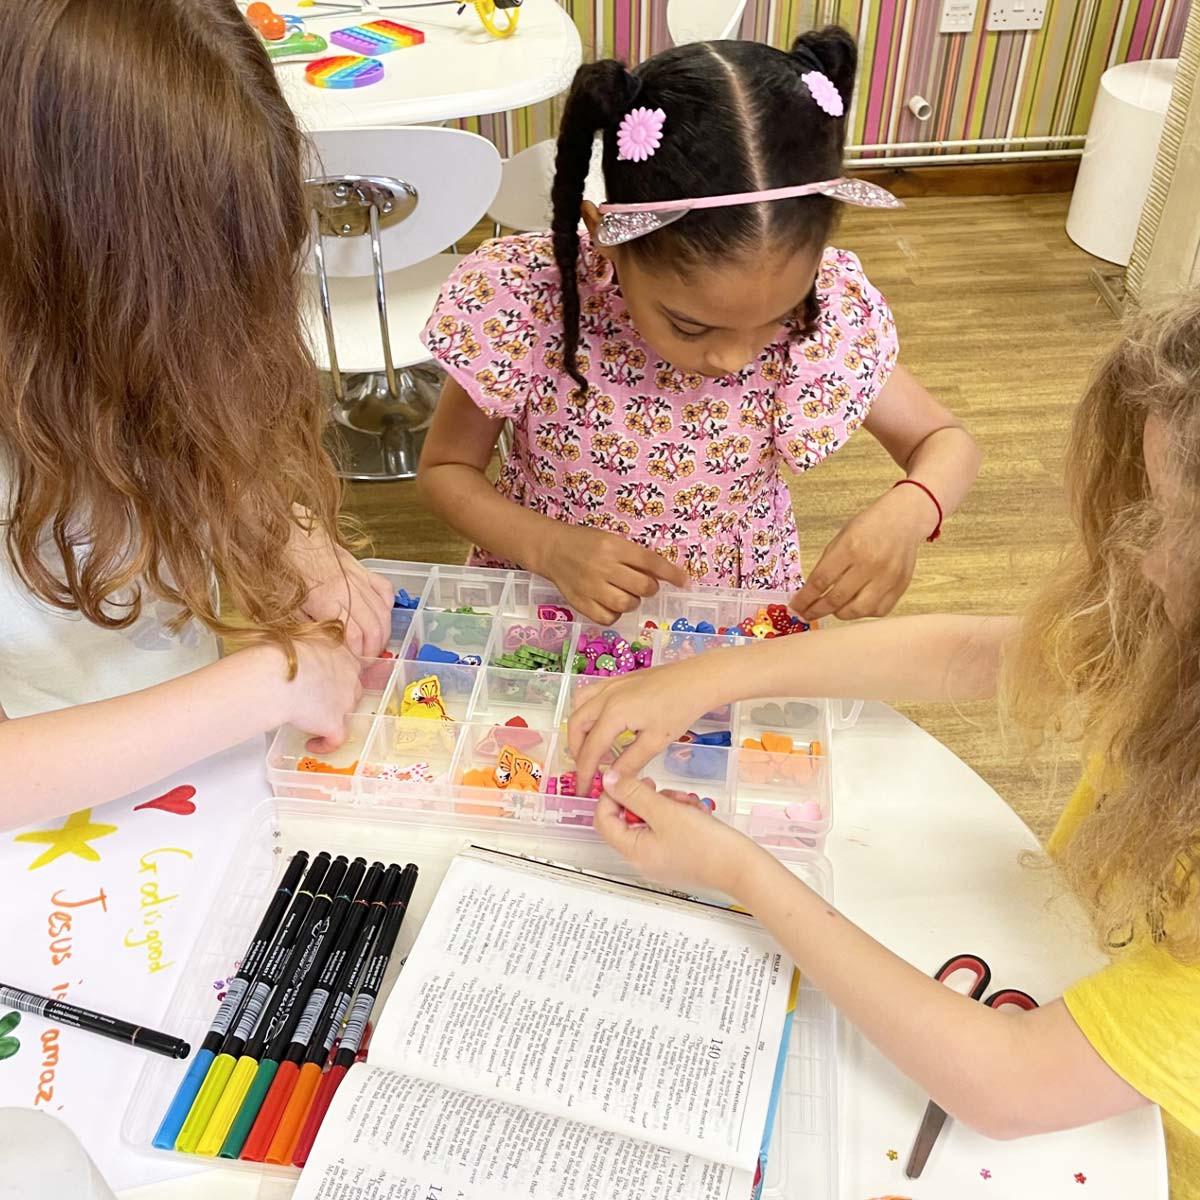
pixel 935 1117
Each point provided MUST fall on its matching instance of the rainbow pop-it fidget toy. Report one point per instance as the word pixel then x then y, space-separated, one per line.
pixel 377 37
pixel 344 71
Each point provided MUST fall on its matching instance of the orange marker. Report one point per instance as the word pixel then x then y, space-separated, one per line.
pixel 329 974
pixel 365 979
pixel 283 1145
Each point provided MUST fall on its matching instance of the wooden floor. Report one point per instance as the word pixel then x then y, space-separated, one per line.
pixel 998 319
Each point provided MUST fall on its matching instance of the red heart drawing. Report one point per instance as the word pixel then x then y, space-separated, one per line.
pixel 178 801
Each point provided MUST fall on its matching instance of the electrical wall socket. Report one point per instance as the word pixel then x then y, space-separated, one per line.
pixel 958 16
pixel 1006 15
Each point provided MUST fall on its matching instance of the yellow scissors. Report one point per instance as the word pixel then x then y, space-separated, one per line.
pixel 485 10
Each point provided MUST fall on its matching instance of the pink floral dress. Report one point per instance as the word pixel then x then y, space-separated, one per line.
pixel 688 466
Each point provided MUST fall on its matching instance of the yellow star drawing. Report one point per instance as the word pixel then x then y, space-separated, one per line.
pixel 71 838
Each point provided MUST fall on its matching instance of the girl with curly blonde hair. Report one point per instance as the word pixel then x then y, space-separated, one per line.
pixel 1108 656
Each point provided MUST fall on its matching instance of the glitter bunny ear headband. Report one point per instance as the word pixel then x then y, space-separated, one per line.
pixel 624 222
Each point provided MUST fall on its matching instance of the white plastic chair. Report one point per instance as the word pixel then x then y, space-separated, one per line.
pixel 704 20
pixel 523 201
pixel 385 203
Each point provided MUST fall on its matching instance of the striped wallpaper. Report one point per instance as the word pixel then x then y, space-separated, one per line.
pixel 979 84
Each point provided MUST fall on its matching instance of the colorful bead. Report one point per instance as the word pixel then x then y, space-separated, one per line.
pixel 404 600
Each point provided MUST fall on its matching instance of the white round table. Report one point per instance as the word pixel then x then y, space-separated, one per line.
pixel 459 71
pixel 925 857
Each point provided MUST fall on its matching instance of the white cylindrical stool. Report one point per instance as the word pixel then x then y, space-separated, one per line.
pixel 44 1160
pixel 1122 142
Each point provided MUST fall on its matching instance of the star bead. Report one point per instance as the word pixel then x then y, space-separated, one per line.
pixel 1080 1177
pixel 892 1155
pixel 984 1173
pixel 72 837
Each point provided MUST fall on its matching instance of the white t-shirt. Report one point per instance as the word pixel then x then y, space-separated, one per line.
pixel 52 659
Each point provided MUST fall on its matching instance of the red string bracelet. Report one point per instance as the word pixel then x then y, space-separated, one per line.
pixel 937 530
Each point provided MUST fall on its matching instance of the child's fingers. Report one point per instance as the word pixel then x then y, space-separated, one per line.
pixel 871 601
pixel 629 579
pixel 326 743
pixel 609 823
pixel 594 610
pixel 604 731
pixel 825 574
pixel 354 640
pixel 639 752
pixel 650 563
pixel 839 597
pixel 637 795
pixel 383 589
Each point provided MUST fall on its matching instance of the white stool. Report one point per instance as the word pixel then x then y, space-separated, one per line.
pixel 384 203
pixel 1118 158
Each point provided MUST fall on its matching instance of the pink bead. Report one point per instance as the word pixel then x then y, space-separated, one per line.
pixel 810 810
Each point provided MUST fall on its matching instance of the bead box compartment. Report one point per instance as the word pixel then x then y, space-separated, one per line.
pixel 784 803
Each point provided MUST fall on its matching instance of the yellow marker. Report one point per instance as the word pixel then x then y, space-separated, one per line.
pixel 227 1109
pixel 202 1109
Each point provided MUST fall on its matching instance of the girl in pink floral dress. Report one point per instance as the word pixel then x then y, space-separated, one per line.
pixel 662 369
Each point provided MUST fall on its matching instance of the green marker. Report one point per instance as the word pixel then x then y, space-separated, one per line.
pixel 241 1072
pixel 252 1004
pixel 327 910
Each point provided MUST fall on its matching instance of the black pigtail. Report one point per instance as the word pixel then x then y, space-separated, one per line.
pixel 599 97
pixel 832 52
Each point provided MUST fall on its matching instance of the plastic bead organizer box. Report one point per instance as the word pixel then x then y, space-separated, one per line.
pixel 466 712
pixel 358 802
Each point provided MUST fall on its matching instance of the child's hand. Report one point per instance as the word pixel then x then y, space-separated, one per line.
pixel 680 844
pixel 869 564
pixel 658 705
pixel 323 692
pixel 602 575
pixel 342 589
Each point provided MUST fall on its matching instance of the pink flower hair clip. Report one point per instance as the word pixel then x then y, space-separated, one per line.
pixel 824 93
pixel 640 134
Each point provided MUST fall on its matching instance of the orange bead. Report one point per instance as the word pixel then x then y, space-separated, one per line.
pixel 777 743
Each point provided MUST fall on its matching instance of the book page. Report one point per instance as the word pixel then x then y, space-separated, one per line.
pixel 392 1137
pixel 656 1021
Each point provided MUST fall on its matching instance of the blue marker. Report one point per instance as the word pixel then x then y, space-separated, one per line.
pixel 239 985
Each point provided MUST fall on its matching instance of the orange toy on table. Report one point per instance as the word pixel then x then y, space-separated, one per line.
pixel 269 23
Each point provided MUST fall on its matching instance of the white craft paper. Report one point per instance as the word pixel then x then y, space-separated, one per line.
pixel 107 922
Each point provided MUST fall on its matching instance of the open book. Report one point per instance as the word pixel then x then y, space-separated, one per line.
pixel 556 1035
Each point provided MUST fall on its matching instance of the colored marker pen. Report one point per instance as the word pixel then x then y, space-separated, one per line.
pixel 252 1031
pixel 326 917
pixel 251 1008
pixel 237 987
pixel 269 1125
pixel 287 1137
pixel 356 1024
pixel 62 1013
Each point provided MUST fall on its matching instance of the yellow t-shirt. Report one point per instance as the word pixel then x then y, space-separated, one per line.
pixel 1142 1015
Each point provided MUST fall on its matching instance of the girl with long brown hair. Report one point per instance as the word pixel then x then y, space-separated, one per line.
pixel 160 418
pixel 1109 655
